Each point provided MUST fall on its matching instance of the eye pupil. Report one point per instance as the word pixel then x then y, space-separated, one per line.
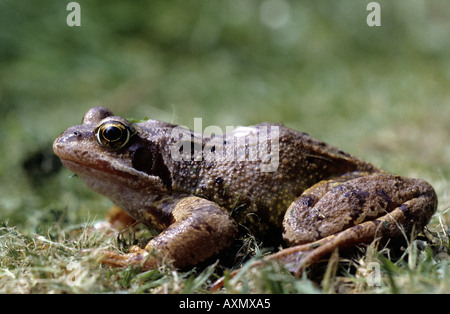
pixel 112 135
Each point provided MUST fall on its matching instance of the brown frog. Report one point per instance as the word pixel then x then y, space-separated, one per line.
pixel 196 189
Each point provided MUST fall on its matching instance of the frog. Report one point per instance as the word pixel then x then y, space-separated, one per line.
pixel 315 197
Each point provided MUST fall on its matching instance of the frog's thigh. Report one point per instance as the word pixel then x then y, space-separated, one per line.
pixel 201 229
pixel 333 206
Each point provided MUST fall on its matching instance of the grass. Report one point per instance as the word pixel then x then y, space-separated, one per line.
pixel 379 93
pixel 32 263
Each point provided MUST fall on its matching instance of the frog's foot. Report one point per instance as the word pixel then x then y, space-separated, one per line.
pixel 295 258
pixel 137 256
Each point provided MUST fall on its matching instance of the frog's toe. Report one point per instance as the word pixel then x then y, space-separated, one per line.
pixel 295 259
pixel 298 257
pixel 137 257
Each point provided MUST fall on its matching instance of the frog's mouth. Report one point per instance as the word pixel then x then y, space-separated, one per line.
pixel 82 163
pixel 81 169
pixel 99 167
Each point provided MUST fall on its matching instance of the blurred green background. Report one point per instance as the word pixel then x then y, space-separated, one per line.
pixel 381 93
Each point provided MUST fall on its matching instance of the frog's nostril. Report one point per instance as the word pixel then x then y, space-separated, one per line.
pixel 58 146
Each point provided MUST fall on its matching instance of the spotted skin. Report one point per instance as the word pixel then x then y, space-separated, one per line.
pixel 316 194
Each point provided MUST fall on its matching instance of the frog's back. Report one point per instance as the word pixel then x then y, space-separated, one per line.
pixel 241 183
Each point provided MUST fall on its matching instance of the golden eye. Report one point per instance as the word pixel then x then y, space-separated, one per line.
pixel 112 135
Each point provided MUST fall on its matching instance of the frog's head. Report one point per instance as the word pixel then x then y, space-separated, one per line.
pixel 114 157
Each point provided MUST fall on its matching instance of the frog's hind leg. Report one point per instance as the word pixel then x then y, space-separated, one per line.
pixel 342 214
pixel 298 257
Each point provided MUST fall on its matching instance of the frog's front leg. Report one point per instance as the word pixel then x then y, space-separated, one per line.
pixel 342 213
pixel 200 230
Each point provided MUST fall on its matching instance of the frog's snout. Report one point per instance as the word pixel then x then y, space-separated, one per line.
pixel 58 145
pixel 67 141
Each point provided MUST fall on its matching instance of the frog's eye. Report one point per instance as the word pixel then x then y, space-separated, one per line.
pixel 112 135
